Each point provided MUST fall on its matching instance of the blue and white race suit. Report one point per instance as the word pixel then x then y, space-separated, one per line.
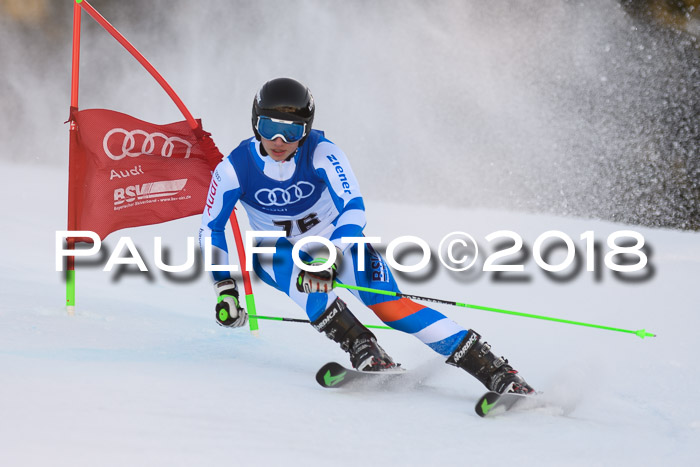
pixel 314 193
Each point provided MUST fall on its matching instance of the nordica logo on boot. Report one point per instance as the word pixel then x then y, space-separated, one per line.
pixel 320 326
pixel 336 307
pixel 457 357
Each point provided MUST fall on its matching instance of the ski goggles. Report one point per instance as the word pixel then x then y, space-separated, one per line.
pixel 271 128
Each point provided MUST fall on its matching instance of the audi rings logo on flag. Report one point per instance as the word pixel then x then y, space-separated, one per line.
pixel 283 197
pixel 135 143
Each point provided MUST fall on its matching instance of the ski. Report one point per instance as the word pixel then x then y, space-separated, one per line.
pixel 335 375
pixel 493 403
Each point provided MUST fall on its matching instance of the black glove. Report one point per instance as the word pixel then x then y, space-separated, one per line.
pixel 319 281
pixel 228 311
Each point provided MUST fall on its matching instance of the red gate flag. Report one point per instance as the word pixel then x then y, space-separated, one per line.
pixel 126 172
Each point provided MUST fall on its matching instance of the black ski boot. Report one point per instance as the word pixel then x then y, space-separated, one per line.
pixel 475 356
pixel 341 326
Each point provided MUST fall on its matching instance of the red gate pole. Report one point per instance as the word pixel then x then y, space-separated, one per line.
pixel 73 132
pixel 249 297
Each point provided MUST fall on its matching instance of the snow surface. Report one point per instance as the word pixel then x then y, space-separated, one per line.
pixel 142 375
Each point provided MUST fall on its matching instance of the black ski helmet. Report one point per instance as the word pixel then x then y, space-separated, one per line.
pixel 284 99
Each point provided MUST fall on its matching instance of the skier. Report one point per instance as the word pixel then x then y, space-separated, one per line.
pixel 289 177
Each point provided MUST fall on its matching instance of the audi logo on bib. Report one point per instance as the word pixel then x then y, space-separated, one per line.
pixel 282 196
pixel 143 142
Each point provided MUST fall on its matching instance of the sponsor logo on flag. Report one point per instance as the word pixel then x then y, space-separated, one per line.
pixel 148 144
pixel 146 191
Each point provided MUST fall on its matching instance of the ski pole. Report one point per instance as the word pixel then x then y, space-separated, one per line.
pixel 297 320
pixel 641 333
